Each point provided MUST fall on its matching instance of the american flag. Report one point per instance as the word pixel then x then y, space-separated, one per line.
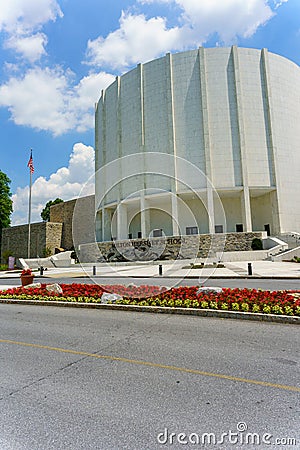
pixel 30 163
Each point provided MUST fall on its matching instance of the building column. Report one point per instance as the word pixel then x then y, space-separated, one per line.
pixel 122 229
pixel 210 209
pixel 175 220
pixel 106 224
pixel 98 226
pixel 206 140
pixel 246 210
pixel 272 138
pixel 145 215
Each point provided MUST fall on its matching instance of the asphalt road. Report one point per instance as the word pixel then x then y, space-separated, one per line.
pixel 254 283
pixel 97 379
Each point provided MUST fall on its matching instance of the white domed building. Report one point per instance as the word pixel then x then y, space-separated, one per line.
pixel 215 134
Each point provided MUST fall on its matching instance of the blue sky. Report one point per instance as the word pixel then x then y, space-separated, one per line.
pixel 57 55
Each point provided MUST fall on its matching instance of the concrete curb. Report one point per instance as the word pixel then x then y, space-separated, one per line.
pixel 294 320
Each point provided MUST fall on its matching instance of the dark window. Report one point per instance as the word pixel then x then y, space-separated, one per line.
pixel 267 229
pixel 157 233
pixel 139 234
pixel 239 228
pixel 130 236
pixel 218 228
pixel 191 230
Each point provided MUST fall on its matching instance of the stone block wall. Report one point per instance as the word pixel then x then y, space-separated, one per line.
pixel 42 235
pixel 84 209
pixel 63 213
pixel 175 247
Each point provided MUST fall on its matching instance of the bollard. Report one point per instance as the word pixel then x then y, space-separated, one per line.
pixel 160 269
pixel 249 269
pixel 41 270
pixel 94 270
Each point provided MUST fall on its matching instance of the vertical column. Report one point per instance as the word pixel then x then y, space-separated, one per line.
pixel 119 187
pixel 145 215
pixel 98 226
pixel 106 224
pixel 100 160
pixel 140 68
pixel 171 119
pixel 206 140
pixel 122 231
pixel 268 111
pixel 246 207
pixel 271 133
pixel 144 168
pixel 175 219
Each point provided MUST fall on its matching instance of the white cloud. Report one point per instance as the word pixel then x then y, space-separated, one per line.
pixel 66 183
pixel 21 20
pixel 139 39
pixel 279 2
pixel 136 40
pixel 30 47
pixel 23 16
pixel 45 99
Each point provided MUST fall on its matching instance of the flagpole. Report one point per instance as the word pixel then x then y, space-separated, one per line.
pixel 29 214
pixel 31 170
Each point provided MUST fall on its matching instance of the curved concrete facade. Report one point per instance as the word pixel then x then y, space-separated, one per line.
pixel 234 113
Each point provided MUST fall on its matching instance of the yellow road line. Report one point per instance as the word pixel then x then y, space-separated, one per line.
pixel 151 364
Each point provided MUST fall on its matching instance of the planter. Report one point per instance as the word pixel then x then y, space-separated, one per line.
pixel 26 279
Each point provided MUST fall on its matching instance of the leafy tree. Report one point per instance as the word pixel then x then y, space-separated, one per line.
pixel 5 202
pixel 45 214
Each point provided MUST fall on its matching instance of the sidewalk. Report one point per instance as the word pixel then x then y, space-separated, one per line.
pixel 172 269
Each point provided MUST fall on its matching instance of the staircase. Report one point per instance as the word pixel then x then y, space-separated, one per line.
pixel 292 239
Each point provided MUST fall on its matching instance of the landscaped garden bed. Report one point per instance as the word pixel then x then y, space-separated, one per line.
pixel 244 300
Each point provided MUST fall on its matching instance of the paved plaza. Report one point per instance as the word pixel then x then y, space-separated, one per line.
pixel 172 269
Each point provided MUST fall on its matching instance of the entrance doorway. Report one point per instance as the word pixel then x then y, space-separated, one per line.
pixel 267 229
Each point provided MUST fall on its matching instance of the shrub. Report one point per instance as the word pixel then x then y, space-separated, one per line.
pixel 266 309
pixel 204 304
pixel 47 252
pixel 288 311
pixel 5 255
pixel 213 305
pixel 276 309
pixel 256 308
pixel 224 306
pixel 256 244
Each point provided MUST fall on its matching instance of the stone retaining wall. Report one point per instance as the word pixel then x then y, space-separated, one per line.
pixel 84 209
pixel 42 235
pixel 168 248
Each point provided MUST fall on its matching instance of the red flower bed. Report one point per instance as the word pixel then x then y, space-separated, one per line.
pixel 247 300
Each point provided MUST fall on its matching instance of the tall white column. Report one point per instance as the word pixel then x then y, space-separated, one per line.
pixel 106 225
pixel 246 209
pixel 272 139
pixel 206 140
pixel 145 215
pixel 210 209
pixel 98 226
pixel 122 229
pixel 175 220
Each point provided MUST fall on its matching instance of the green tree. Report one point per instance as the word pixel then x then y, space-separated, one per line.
pixel 45 214
pixel 5 202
